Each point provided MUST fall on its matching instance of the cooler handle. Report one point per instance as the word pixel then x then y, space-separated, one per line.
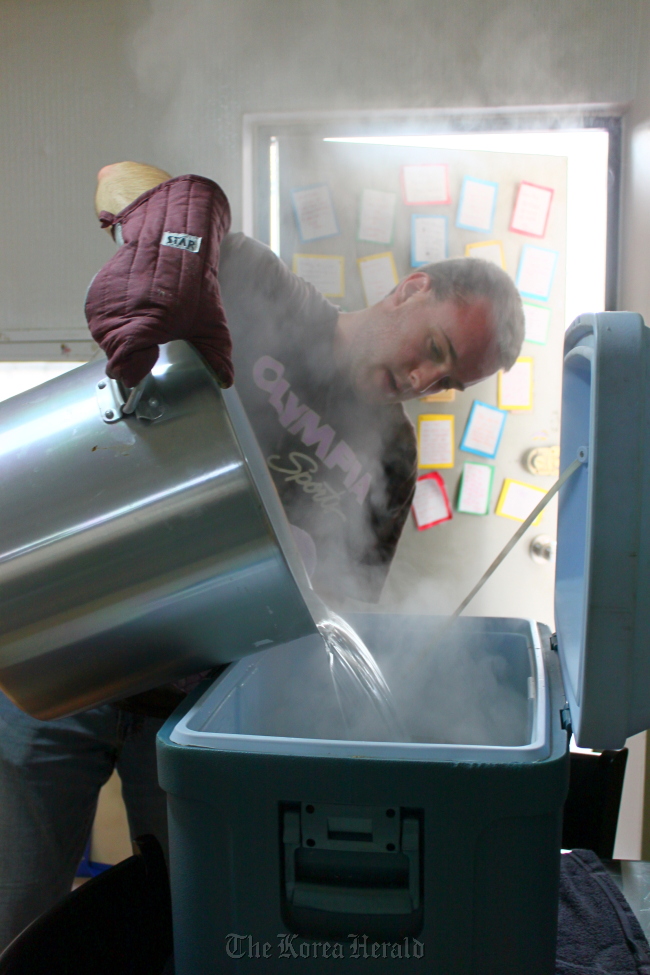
pixel 359 849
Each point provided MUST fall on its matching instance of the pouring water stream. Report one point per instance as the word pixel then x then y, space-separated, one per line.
pixel 360 687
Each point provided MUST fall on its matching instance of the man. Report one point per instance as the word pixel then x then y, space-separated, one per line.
pixel 323 391
pixel 347 373
pixel 322 388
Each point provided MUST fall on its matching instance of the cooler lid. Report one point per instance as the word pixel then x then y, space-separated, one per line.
pixel 602 571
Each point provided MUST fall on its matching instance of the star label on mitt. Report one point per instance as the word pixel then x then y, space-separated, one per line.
pixel 185 242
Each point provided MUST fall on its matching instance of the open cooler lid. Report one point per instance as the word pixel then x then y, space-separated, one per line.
pixel 602 592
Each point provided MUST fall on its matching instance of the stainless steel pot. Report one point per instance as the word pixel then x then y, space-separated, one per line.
pixel 137 547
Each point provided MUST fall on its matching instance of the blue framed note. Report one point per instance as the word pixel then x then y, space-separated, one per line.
pixel 428 239
pixel 478 200
pixel 483 430
pixel 314 211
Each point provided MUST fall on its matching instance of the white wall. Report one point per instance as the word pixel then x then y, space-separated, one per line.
pixel 86 82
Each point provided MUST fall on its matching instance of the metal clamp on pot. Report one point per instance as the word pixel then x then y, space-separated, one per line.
pixel 115 401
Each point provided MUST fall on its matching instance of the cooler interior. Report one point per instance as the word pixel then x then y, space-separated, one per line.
pixel 479 686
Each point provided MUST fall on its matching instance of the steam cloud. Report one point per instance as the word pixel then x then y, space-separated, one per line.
pixel 200 69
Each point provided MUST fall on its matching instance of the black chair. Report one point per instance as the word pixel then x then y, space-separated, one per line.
pixel 118 923
pixel 592 805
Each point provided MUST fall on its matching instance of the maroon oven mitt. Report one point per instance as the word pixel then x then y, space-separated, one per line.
pixel 162 282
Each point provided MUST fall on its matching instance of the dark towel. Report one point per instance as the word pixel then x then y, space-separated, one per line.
pixel 162 282
pixel 597 934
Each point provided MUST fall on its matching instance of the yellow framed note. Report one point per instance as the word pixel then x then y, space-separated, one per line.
pixel 325 271
pixel 515 387
pixel 444 396
pixel 378 276
pixel 435 440
pixel 487 250
pixel 517 500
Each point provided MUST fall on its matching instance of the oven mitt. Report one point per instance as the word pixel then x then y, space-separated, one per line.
pixel 162 282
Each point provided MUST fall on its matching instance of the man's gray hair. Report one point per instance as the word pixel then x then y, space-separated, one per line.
pixel 466 278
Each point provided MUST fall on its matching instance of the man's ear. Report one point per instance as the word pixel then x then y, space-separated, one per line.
pixel 416 283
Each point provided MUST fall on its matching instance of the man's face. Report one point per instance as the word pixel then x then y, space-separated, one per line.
pixel 423 345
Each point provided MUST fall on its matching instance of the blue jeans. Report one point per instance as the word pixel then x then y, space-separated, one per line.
pixel 50 776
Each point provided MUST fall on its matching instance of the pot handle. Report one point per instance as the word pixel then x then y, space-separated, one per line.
pixel 134 395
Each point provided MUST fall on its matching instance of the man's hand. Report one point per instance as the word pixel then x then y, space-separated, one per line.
pixel 162 282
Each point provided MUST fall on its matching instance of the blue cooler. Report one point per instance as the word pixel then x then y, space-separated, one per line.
pixel 295 839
